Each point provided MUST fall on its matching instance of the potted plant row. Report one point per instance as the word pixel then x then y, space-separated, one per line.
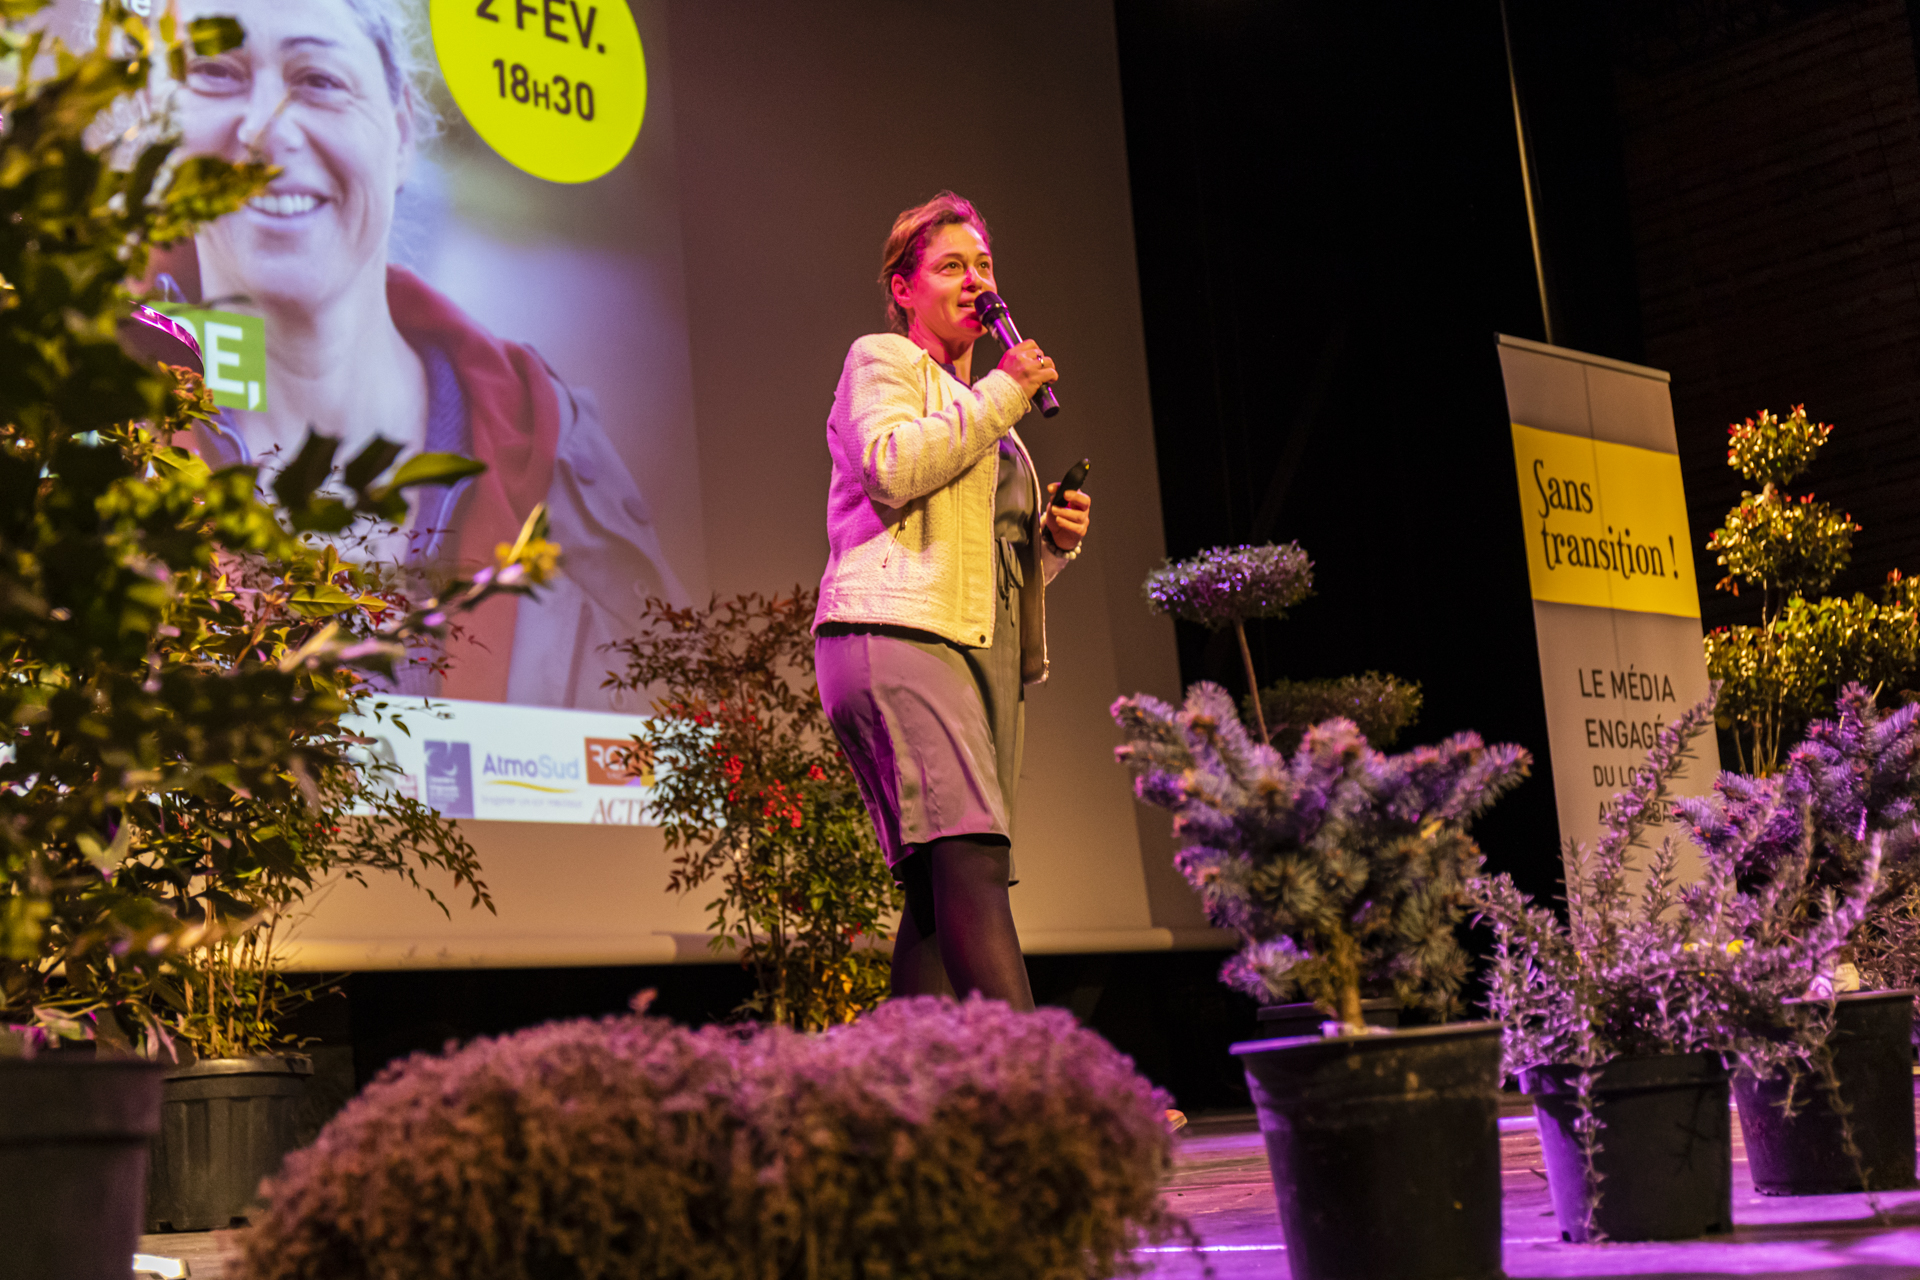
pixel 1631 1020
pixel 1345 872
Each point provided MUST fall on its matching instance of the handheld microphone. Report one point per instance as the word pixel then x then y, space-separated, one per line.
pixel 993 313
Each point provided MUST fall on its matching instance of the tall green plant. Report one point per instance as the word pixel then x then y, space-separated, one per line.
pixel 1777 675
pixel 176 651
pixel 753 791
pixel 241 875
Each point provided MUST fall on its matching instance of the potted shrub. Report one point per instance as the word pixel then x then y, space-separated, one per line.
pixel 1381 707
pixel 77 591
pixel 1622 1020
pixel 1340 866
pixel 137 684
pixel 1230 586
pixel 1774 677
pixel 1853 782
pixel 928 1138
pixel 233 1101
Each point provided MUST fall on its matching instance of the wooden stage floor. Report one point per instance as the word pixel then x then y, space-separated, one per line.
pixel 1220 1183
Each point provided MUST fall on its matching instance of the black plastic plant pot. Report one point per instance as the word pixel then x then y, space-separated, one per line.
pixel 73 1164
pixel 1385 1151
pixel 1805 1154
pixel 225 1124
pixel 1304 1019
pixel 1665 1158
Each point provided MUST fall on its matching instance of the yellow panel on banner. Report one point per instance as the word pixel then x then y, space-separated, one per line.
pixel 1606 524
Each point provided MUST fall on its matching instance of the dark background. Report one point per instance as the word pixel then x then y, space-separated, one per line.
pixel 1330 229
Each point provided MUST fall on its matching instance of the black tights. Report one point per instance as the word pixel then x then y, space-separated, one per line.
pixel 956 935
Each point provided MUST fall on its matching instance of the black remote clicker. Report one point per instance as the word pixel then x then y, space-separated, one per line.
pixel 1075 477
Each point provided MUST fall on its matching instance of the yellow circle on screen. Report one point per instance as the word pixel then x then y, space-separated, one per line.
pixel 557 87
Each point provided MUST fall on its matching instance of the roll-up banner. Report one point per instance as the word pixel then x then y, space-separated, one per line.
pixel 1616 608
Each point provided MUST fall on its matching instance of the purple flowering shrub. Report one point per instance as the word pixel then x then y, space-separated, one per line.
pixel 576 1148
pixel 1342 869
pixel 935 1138
pixel 928 1139
pixel 1671 968
pixel 1857 774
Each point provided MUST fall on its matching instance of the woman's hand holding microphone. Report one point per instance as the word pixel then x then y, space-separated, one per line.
pixel 1027 365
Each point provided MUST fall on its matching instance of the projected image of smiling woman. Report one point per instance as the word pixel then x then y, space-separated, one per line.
pixel 357 346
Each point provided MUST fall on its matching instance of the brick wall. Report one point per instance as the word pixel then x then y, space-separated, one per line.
pixel 1774 188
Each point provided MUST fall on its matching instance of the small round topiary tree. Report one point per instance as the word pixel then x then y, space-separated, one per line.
pixel 1224 586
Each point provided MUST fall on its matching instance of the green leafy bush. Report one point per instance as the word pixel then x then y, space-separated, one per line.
pixel 176 648
pixel 751 789
pixel 1776 676
pixel 928 1139
pixel 1380 706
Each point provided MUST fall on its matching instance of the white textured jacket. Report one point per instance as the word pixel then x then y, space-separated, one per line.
pixel 911 505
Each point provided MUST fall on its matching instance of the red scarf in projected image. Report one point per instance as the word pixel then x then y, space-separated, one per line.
pixel 513 415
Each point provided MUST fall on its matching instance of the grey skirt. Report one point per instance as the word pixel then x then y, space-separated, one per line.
pixel 934 730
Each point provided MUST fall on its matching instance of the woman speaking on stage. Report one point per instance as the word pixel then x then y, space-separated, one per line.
pixel 932 614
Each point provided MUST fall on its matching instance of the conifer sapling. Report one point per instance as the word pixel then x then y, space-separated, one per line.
pixel 1342 869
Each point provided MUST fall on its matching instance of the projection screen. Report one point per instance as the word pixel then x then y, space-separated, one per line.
pixel 617 252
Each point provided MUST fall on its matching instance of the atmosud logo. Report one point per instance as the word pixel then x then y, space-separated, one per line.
pixel 533 773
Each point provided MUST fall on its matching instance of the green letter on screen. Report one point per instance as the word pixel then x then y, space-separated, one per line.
pixel 234 349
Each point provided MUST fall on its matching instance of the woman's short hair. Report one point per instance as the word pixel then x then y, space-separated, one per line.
pixel 907 242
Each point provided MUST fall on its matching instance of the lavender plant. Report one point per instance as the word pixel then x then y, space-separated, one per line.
pixel 1858 778
pixel 1716 966
pixel 1856 775
pixel 1712 966
pixel 1224 586
pixel 1342 869
pixel 927 1139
